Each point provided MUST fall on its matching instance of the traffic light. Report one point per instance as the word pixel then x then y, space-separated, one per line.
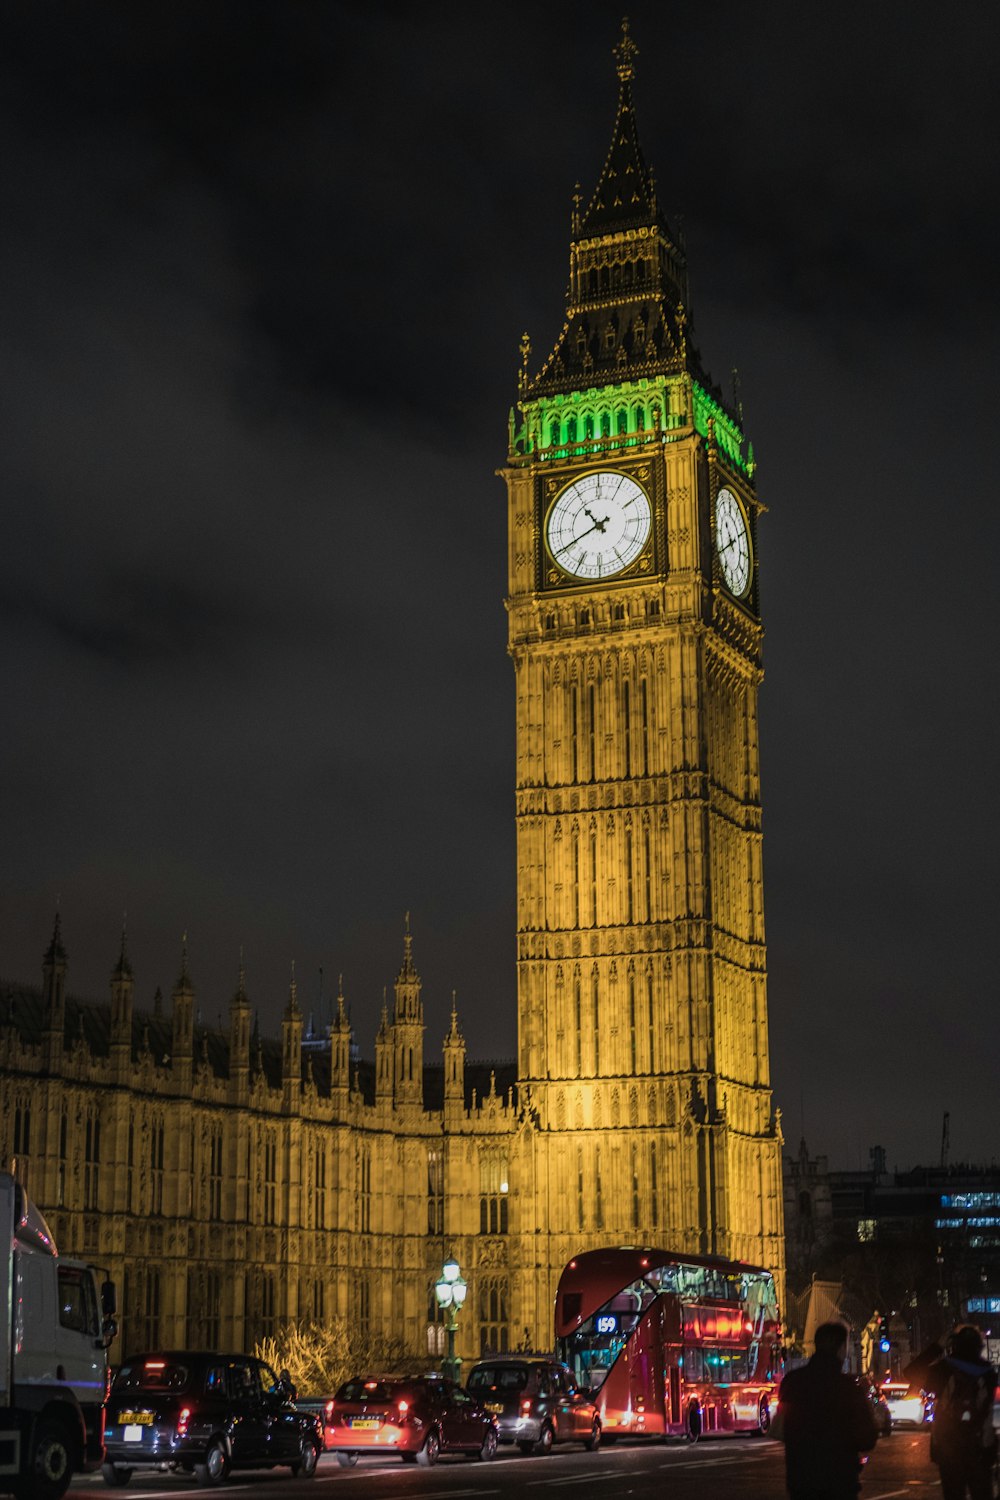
pixel 883 1335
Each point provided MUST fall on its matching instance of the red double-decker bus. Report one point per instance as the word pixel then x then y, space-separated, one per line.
pixel 669 1344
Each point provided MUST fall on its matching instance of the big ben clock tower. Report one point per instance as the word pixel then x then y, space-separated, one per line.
pixel 636 639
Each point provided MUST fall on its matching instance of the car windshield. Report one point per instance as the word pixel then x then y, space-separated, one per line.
pixel 153 1375
pixel 499 1377
pixel 370 1390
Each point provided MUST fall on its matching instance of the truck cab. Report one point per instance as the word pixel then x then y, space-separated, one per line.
pixel 56 1322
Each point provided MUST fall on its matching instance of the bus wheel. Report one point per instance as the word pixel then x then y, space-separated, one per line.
pixel 693 1432
pixel 764 1417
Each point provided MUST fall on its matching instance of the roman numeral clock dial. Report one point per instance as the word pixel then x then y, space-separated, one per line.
pixel 598 525
pixel 732 543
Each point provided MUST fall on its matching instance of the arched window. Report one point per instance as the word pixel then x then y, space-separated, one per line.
pixel 493 1189
pixel 493 1329
pixel 621 417
pixel 588 425
pixel 605 424
pixel 571 429
pixel 554 431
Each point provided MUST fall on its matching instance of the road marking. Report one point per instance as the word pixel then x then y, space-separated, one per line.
pixel 564 1479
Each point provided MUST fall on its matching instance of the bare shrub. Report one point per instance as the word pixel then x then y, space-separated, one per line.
pixel 319 1357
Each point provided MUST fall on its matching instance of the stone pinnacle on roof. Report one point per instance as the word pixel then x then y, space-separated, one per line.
pixel 342 1023
pixel 123 968
pixel 240 998
pixel 184 978
pixel 407 973
pixel 55 951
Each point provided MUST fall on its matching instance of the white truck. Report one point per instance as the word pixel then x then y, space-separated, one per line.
pixel 56 1323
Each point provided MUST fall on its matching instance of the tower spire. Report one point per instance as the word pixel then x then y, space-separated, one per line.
pixel 123 966
pixel 407 973
pixel 624 195
pixel 625 52
pixel 627 277
pixel 56 953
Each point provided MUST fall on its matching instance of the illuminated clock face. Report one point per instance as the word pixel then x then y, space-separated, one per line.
pixel 732 543
pixel 598 525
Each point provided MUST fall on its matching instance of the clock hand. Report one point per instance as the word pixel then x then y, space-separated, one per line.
pixel 597 526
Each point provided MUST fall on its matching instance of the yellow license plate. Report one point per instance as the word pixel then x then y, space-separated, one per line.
pixel 135 1418
pixel 496 1407
pixel 366 1422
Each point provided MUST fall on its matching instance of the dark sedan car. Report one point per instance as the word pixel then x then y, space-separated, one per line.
pixel 535 1402
pixel 204 1414
pixel 418 1417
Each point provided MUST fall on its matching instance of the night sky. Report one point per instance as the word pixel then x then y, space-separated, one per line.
pixel 263 273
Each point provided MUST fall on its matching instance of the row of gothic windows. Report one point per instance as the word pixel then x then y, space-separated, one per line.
pixel 583 617
pixel 588 425
pixel 607 278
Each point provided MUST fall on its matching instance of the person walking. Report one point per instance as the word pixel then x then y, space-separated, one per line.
pixel 963 1438
pixel 825 1422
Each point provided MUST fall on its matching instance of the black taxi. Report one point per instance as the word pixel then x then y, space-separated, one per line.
pixel 204 1414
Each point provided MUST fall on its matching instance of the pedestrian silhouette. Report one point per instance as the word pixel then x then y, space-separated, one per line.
pixel 826 1423
pixel 963 1439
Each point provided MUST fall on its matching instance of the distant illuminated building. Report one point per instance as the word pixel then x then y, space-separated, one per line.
pixel 231 1182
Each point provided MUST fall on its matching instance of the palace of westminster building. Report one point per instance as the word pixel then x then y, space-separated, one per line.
pixel 231 1182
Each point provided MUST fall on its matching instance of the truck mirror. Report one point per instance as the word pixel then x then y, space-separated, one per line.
pixel 109 1299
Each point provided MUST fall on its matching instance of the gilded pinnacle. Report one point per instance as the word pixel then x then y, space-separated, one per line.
pixel 626 52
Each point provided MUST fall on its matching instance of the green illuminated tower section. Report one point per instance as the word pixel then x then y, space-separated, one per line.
pixel 636 641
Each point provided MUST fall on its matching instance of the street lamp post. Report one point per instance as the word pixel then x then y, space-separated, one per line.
pixel 450 1290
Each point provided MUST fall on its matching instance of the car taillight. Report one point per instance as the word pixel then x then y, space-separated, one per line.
pixel 183 1420
pixel 329 1410
pixel 526 1407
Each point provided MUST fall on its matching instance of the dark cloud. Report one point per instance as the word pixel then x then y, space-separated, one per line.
pixel 263 276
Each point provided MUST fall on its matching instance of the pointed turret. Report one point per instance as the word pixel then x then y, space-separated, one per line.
pixel 383 1056
pixel 122 995
pixel 454 1066
pixel 291 1048
pixel 408 1029
pixel 239 1039
pixel 54 998
pixel 182 1025
pixel 340 1046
